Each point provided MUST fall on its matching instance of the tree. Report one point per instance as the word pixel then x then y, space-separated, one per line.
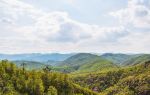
pixel 23 66
pixel 52 91
pixel 4 61
pixel 39 89
pixel 48 68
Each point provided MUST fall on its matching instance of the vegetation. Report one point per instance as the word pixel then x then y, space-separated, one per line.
pixel 29 65
pixel 118 58
pixel 81 74
pixel 85 62
pixel 134 80
pixel 18 81
pixel 138 60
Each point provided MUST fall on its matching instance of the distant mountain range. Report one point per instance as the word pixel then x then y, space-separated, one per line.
pixel 80 62
pixel 36 57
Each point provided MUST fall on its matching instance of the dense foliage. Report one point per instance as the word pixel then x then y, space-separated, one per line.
pixel 18 81
pixel 83 74
pixel 134 80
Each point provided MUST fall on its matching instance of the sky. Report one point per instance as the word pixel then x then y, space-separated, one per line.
pixel 65 26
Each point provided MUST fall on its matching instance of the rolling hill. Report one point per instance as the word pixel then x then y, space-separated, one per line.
pixel 30 65
pixel 79 59
pixel 118 58
pixel 16 81
pixel 138 60
pixel 81 74
pixel 131 80
pixel 85 62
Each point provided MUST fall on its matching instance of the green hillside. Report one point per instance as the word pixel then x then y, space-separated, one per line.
pixel 79 59
pixel 30 65
pixel 118 58
pixel 134 80
pixel 97 65
pixel 85 62
pixel 97 76
pixel 138 60
pixel 15 81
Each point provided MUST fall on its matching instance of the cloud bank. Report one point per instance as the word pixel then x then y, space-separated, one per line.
pixel 26 28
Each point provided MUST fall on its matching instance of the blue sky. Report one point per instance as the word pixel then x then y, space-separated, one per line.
pixel 87 11
pixel 29 26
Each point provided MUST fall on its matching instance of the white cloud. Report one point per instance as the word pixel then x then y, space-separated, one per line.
pixel 25 28
pixel 137 14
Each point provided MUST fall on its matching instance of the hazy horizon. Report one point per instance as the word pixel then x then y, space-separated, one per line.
pixel 99 53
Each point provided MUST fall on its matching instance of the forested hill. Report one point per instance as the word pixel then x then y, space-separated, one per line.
pixel 82 74
pixel 15 81
pixel 132 80
pixel 137 60
pixel 118 58
pixel 85 62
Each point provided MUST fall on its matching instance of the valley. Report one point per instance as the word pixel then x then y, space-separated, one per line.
pixel 76 74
